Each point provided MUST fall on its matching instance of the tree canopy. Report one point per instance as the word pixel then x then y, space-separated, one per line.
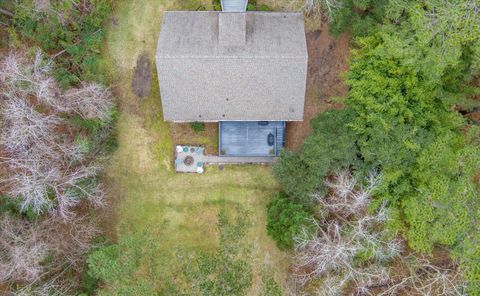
pixel 411 71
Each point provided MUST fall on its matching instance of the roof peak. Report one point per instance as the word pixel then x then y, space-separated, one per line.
pixel 224 35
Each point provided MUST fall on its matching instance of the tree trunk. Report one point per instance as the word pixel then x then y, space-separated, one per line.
pixel 6 12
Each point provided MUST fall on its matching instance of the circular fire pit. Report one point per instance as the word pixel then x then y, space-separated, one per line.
pixel 188 160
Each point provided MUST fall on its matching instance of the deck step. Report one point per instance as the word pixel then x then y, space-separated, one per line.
pixel 213 159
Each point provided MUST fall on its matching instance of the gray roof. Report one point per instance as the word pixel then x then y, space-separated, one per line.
pixel 215 66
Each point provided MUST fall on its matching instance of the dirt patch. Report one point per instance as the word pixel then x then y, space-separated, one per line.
pixel 142 77
pixel 42 5
pixel 327 59
pixel 182 133
pixel 114 21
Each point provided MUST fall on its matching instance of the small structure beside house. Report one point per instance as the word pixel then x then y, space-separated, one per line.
pixel 245 70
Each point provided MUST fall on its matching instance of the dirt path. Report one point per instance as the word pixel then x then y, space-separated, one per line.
pixel 327 59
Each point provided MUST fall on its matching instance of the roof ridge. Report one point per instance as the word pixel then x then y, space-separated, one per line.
pixel 218 12
pixel 231 57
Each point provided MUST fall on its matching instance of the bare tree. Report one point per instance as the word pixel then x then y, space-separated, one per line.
pixel 24 128
pixel 317 7
pixel 91 101
pixel 347 232
pixel 425 278
pixel 21 251
pixel 346 196
pixel 41 156
pixel 22 76
pixel 25 245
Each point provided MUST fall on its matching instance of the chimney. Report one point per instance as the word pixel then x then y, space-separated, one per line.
pixel 232 27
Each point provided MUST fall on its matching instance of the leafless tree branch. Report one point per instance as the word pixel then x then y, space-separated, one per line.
pixel 345 232
pixel 46 168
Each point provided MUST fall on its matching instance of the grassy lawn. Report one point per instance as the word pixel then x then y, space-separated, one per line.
pixel 177 210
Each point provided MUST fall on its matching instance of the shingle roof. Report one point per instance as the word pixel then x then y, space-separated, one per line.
pixel 207 74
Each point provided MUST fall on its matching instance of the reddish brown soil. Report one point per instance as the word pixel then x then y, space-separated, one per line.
pixel 327 59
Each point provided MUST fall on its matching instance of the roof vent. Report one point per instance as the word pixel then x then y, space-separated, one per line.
pixel 234 5
pixel 232 29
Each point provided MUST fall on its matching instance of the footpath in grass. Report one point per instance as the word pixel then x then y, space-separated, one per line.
pixel 176 211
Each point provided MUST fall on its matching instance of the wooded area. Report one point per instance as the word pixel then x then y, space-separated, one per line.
pixel 413 82
pixel 56 138
pixel 382 198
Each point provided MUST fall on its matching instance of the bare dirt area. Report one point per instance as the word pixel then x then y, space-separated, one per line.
pixel 327 60
pixel 142 77
pixel 182 133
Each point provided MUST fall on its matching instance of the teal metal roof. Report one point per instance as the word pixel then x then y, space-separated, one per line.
pixel 234 5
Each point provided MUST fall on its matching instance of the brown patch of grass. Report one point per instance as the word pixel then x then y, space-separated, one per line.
pixel 183 134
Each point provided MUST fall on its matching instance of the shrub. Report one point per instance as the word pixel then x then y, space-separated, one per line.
pixel 251 7
pixel 12 206
pixel 286 220
pixel 88 283
pixel 117 265
pixel 331 147
pixel 197 127
pixel 264 7
pixel 295 177
pixel 217 5
pixel 70 32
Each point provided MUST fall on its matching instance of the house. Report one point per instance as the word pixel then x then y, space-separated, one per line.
pixel 245 70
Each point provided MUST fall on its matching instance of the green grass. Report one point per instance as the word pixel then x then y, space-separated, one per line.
pixel 177 210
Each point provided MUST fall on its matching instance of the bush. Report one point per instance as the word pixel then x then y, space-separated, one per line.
pixel 217 5
pixel 331 147
pixel 197 127
pixel 285 220
pixel 295 178
pixel 72 33
pixel 117 265
pixel 264 7
pixel 12 207
pixel 88 283
pixel 251 7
